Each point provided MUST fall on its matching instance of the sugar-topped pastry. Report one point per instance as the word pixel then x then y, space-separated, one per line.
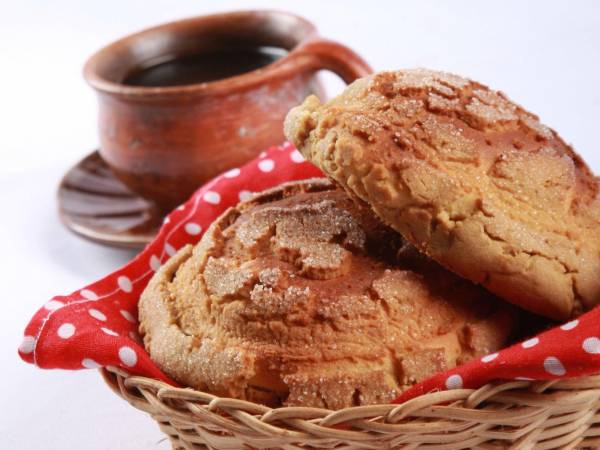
pixel 300 297
pixel 468 177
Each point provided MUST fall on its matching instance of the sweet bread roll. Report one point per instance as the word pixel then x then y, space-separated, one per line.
pixel 468 177
pixel 299 297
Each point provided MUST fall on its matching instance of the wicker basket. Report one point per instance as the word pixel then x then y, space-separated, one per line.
pixel 517 415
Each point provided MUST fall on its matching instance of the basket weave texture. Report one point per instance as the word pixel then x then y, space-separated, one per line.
pixel 517 415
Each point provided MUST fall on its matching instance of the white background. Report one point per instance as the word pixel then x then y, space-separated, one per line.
pixel 544 54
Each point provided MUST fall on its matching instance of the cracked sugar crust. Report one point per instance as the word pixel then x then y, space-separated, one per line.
pixel 301 297
pixel 468 177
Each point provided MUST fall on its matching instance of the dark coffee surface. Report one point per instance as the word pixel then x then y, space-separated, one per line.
pixel 204 67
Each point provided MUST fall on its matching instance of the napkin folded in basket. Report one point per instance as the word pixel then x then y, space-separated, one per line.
pixel 97 325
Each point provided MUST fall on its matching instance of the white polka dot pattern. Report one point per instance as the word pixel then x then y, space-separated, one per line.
pixel 454 382
pixel 192 228
pixel 232 173
pixel 128 356
pixel 27 345
pixel 128 316
pixel 591 345
pixel 53 305
pixel 212 197
pixel 530 342
pixel 569 325
pixel 109 331
pixel 297 157
pixel 489 358
pixel 553 366
pixel 97 315
pixel 89 294
pixel 66 330
pixel 89 363
pixel 170 250
pixel 154 263
pixel 125 283
pixel 266 165
pixel 244 195
pixel 110 326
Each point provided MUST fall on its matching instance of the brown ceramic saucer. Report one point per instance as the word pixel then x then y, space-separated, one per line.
pixel 94 204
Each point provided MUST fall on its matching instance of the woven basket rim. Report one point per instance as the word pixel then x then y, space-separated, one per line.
pixel 519 414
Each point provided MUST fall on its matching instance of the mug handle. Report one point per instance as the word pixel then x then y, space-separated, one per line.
pixel 318 53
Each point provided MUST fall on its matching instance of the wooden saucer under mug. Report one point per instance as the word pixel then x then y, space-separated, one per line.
pixel 94 204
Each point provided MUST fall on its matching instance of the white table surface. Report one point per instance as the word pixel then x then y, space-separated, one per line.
pixel 544 54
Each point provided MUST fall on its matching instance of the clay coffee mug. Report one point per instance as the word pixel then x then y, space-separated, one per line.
pixel 163 142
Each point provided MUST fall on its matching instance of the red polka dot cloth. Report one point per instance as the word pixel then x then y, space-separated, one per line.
pixel 97 325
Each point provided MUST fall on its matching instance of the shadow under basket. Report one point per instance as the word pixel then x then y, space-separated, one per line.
pixel 518 415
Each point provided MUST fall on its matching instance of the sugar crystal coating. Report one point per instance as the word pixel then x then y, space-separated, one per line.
pixel 467 176
pixel 301 297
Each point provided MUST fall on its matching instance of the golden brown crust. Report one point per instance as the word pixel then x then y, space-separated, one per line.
pixel 291 297
pixel 468 177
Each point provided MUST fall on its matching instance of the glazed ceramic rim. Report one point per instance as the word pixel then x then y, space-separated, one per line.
pixel 293 61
